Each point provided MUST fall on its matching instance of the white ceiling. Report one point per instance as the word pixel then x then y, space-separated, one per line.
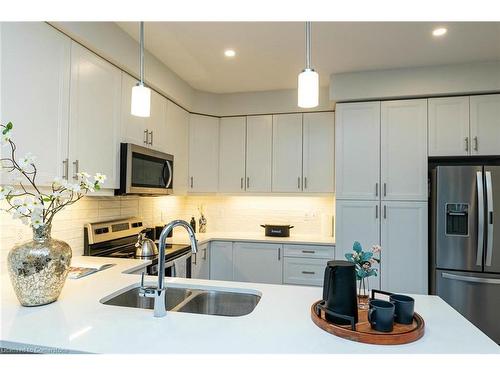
pixel 271 54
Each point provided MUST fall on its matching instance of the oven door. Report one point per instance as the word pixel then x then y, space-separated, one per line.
pixel 145 171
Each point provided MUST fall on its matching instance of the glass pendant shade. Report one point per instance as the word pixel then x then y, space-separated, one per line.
pixel 308 89
pixel 141 101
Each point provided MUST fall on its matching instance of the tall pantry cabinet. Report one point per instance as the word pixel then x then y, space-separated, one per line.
pixel 381 188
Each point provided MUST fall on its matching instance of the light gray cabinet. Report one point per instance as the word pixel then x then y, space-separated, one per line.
pixel 221 261
pixel 258 262
pixel 200 263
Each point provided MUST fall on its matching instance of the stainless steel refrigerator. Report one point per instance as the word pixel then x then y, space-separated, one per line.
pixel 465 242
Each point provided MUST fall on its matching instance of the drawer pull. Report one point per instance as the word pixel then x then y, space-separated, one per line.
pixel 308 272
pixel 308 251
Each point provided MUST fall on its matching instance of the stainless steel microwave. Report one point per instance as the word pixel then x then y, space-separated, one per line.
pixel 144 171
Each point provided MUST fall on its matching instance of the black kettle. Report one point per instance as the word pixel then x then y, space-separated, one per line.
pixel 339 292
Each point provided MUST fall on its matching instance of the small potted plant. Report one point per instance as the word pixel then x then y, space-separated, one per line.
pixel 38 268
pixel 364 261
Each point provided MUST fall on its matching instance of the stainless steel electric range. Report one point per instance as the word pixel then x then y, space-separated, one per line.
pixel 117 239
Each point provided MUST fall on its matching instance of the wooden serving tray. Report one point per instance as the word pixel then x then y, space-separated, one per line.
pixel 401 334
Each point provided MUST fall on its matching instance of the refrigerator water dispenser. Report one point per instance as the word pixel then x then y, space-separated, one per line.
pixel 457 219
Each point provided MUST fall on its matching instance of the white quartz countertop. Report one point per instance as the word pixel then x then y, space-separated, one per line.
pixel 279 324
pixel 182 237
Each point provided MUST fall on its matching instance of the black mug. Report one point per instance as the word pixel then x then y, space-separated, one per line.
pixel 381 315
pixel 403 308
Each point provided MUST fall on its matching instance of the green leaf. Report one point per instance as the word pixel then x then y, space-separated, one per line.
pixel 349 257
pixel 357 247
pixel 366 256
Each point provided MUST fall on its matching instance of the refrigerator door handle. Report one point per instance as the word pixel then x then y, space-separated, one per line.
pixel 471 279
pixel 489 218
pixel 480 218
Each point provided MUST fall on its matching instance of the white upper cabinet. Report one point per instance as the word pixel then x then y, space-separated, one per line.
pixel 449 126
pixel 258 262
pixel 203 153
pixel 232 154
pixel 357 150
pixel 404 247
pixel 485 124
pixel 404 150
pixel 35 75
pixel 177 144
pixel 156 123
pixel 95 98
pixel 259 146
pixel 357 221
pixel 287 153
pixel 318 152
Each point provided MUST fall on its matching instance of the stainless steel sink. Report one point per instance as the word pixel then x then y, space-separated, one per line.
pixel 219 303
pixel 196 301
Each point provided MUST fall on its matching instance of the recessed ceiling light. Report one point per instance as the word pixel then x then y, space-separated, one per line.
pixel 440 31
pixel 229 53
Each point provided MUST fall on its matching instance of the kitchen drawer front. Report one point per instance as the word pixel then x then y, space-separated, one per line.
pixel 302 271
pixel 309 251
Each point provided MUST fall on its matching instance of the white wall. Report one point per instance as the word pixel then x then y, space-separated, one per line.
pixel 416 82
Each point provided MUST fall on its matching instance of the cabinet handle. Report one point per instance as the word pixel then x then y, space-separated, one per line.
pixel 146 136
pixel 298 183
pixel 376 189
pixel 308 272
pixel 475 144
pixel 191 182
pixel 305 182
pixel 65 169
pixel 248 182
pixel 385 212
pixel 308 251
pixel 385 189
pixel 194 260
pixel 75 164
pixel 466 143
pixel 151 140
pixel 204 254
pixel 241 183
pixel 376 211
pixel 279 253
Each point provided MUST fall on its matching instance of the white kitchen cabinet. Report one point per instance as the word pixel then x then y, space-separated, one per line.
pixel 177 144
pixel 35 77
pixel 449 126
pixel 357 150
pixel 304 271
pixel 258 262
pixel 357 221
pixel 221 261
pixel 485 124
pixel 259 145
pixel 309 251
pixel 232 132
pixel 200 268
pixel 143 131
pixel 403 150
pixel 95 107
pixel 404 247
pixel 203 153
pixel 287 153
pixel 318 152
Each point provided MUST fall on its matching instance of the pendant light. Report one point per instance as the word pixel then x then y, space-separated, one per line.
pixel 141 95
pixel 308 80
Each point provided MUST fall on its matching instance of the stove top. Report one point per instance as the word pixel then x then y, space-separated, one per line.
pixel 128 252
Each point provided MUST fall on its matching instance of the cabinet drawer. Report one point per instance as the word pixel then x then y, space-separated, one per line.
pixel 302 271
pixel 309 251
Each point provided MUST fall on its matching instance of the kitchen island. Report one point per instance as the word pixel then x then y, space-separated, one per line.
pixel 280 323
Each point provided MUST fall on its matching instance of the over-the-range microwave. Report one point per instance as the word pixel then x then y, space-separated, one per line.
pixel 144 171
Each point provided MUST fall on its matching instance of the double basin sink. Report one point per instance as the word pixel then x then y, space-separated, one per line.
pixel 190 300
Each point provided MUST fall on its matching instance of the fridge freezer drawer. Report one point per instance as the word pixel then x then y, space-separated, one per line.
pixel 474 295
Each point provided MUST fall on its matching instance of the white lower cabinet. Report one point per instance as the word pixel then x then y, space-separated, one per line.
pixel 357 221
pixel 258 262
pixel 304 271
pixel 200 268
pixel 221 261
pixel 404 247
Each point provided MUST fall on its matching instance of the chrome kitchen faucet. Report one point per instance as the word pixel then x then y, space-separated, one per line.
pixel 159 294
